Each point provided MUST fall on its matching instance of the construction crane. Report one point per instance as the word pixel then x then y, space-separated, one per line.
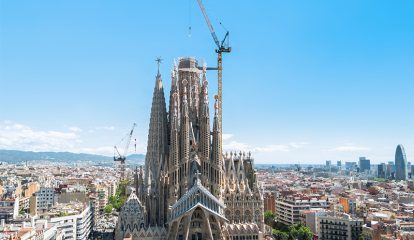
pixel 121 157
pixel 222 47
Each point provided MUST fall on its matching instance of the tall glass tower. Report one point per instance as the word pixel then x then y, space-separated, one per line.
pixel 401 171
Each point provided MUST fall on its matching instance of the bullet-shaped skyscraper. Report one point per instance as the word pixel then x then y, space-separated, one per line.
pixel 401 172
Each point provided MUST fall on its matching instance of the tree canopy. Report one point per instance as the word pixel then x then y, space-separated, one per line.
pixel 118 200
pixel 269 218
pixel 293 232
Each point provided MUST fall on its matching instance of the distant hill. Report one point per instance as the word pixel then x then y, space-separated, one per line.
pixel 15 156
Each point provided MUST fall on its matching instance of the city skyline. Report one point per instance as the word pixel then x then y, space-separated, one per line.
pixel 304 83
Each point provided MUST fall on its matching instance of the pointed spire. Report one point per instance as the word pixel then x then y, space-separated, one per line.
pixel 185 102
pixel 174 80
pixel 136 180
pixel 216 148
pixel 217 152
pixel 174 92
pixel 157 142
pixel 204 98
pixel 141 183
pixel 185 138
pixel 174 122
pixel 174 131
pixel 204 122
pixel 232 170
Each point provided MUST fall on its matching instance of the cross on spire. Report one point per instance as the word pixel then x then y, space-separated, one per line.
pixel 158 60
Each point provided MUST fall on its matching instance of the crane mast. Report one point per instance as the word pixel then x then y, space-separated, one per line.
pixel 222 47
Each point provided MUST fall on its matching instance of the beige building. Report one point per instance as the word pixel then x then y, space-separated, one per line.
pixel 340 226
pixel 309 218
pixel 33 205
pixel 24 204
pixel 100 198
pixel 31 188
pixel 288 207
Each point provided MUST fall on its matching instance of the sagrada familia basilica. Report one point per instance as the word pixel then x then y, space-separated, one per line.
pixel 189 188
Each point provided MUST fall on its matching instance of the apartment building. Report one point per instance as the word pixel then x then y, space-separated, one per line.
pixel 288 208
pixel 339 226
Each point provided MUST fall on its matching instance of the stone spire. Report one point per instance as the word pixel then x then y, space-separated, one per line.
pixel 240 170
pixel 204 148
pixel 156 148
pixel 141 184
pixel 174 90
pixel 216 151
pixel 136 181
pixel 185 138
pixel 174 151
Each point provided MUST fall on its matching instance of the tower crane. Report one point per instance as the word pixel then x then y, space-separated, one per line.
pixel 222 47
pixel 121 157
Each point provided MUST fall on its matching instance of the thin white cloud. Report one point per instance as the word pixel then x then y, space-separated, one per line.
pixel 229 144
pixel 107 150
pixel 298 145
pixel 236 146
pixel 108 128
pixel 21 137
pixel 75 129
pixel 273 148
pixel 227 136
pixel 101 128
pixel 16 136
pixel 349 148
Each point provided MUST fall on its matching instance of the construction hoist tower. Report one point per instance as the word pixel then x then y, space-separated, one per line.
pixel 222 47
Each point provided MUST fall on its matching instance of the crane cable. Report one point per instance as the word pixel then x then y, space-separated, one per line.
pixel 189 18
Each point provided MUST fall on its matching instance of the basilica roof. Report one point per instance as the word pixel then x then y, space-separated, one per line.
pixel 198 196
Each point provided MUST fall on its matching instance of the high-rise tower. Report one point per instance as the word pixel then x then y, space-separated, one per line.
pixel 401 172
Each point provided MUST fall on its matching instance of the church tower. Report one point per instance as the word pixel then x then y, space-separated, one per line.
pixel 189 188
pixel 156 156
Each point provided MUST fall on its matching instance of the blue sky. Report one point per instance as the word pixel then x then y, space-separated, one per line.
pixel 306 81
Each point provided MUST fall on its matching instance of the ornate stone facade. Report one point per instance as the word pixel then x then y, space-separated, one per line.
pixel 188 186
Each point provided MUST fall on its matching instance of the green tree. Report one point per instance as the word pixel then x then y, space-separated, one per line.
pixel 269 218
pixel 297 231
pixel 280 226
pixel 279 235
pixel 304 233
pixel 108 208
pixel 112 199
pixel 118 200
pixel 22 211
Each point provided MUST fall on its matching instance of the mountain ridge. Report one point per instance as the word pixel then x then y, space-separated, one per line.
pixel 15 156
